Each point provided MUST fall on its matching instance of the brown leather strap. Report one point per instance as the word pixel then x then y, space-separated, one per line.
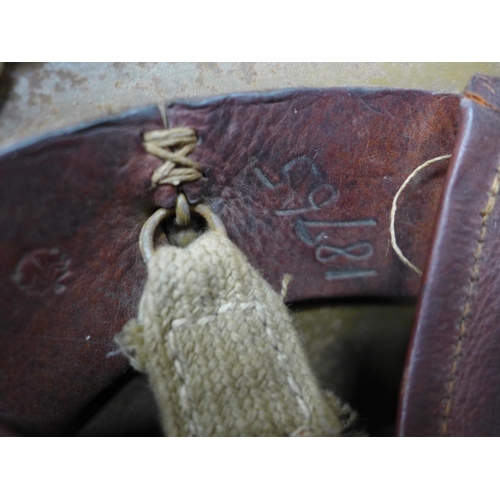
pixel 452 383
pixel 303 181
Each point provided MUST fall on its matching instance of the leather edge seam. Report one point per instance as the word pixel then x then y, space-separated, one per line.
pixel 485 214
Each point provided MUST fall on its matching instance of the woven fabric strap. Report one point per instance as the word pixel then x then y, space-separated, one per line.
pixel 220 350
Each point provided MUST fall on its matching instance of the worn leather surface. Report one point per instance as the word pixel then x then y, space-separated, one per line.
pixel 305 180
pixel 302 179
pixel 452 381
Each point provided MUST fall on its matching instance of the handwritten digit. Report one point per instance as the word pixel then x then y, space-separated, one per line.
pixel 340 223
pixel 331 196
pixel 302 226
pixel 357 251
pixel 263 178
pixel 349 274
pixel 299 164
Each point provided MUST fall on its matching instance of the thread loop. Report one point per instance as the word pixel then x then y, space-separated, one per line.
pixel 394 207
pixel 174 146
pixel 182 211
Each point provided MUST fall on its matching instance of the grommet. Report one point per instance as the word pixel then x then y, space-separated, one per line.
pixel 146 238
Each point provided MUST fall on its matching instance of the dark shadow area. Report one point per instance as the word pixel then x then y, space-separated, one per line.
pixel 6 83
pixel 126 408
pixel 357 349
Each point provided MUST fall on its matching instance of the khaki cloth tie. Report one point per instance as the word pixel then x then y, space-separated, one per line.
pixel 220 350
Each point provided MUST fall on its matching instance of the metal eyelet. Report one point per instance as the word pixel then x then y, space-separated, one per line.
pixel 146 238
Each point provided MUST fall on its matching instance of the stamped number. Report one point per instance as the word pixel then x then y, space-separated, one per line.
pixel 314 233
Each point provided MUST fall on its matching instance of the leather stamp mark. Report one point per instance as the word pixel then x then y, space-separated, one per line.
pixel 318 234
pixel 42 271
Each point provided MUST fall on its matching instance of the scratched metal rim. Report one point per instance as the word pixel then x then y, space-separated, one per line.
pixel 146 238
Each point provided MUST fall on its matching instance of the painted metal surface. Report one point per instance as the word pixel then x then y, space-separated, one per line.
pixel 36 98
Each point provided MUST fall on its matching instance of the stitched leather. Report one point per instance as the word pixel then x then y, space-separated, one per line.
pixel 452 380
pixel 280 169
